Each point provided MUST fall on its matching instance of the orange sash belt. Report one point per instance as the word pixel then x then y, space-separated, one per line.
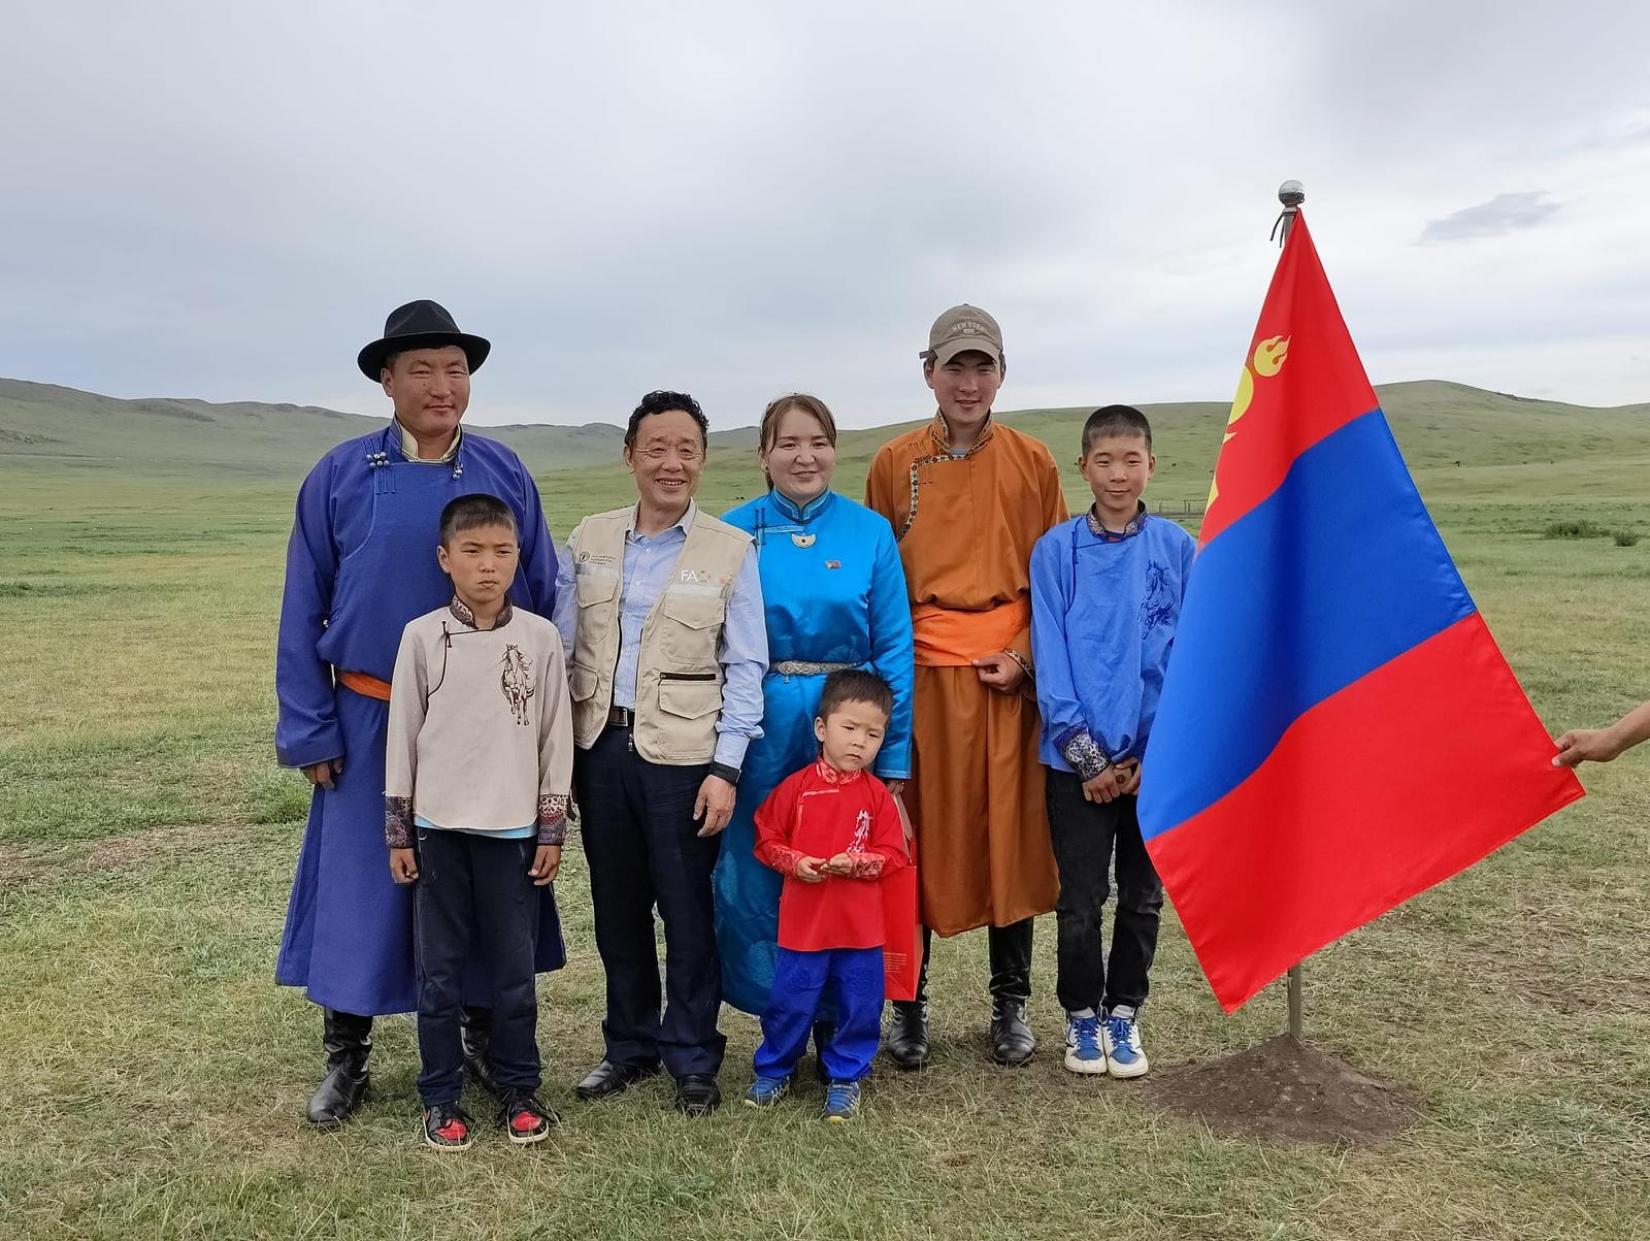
pixel 951 639
pixel 366 685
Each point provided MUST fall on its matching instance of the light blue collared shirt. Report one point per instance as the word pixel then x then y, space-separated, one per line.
pixel 742 650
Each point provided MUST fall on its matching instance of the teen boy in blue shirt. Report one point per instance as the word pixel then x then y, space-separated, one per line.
pixel 1106 590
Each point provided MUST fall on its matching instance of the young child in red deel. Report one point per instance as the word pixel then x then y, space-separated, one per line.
pixel 835 832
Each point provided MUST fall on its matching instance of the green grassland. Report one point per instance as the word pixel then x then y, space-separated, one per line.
pixel 157 1077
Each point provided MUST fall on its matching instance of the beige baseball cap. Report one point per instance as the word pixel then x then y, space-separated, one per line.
pixel 963 328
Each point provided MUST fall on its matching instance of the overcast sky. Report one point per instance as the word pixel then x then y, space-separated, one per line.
pixel 224 200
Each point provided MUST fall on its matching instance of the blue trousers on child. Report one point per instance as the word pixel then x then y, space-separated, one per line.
pixel 802 981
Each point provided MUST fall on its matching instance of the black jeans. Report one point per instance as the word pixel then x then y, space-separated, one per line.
pixel 1009 948
pixel 644 850
pixel 1085 836
pixel 472 889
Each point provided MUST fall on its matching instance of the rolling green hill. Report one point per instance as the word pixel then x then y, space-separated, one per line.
pixel 66 428
pixel 1458 440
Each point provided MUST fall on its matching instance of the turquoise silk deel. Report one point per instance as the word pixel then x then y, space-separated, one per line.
pixel 834 592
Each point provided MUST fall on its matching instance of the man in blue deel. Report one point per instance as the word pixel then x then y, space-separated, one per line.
pixel 360 565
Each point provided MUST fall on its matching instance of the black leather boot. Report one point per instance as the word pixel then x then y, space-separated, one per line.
pixel 475 1037
pixel 348 1040
pixel 907 1042
pixel 1010 950
pixel 1012 1042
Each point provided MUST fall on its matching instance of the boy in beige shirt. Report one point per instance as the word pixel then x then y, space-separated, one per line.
pixel 477 773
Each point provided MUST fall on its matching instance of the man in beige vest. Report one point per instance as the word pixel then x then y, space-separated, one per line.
pixel 660 608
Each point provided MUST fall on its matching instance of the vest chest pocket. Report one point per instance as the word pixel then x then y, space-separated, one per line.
pixel 689 698
pixel 593 588
pixel 688 626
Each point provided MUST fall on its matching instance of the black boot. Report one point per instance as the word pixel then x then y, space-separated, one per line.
pixel 1011 1039
pixel 347 1039
pixel 475 1037
pixel 1010 949
pixel 908 1034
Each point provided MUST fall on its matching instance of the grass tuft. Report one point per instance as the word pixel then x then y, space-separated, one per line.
pixel 1573 529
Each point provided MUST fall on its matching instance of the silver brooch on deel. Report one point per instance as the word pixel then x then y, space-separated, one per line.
pixel 804 540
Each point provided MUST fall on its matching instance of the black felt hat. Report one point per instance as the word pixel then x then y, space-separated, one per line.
pixel 420 325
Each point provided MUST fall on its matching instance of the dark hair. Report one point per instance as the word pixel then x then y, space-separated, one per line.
pixel 853 685
pixel 662 402
pixel 768 431
pixel 1115 420
pixel 473 511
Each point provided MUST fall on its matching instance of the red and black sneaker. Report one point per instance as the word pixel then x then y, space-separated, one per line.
pixel 447 1128
pixel 524 1118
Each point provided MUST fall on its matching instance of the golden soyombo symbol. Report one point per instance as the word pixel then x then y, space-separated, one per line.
pixel 1265 362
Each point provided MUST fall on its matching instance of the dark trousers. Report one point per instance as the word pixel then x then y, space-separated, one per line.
pixel 1009 948
pixel 474 890
pixel 851 979
pixel 644 851
pixel 1086 835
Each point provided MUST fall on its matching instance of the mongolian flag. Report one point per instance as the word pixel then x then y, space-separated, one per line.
pixel 1338 730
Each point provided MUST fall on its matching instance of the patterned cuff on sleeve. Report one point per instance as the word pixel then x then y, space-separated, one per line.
pixel 398 822
pixel 1084 755
pixel 866 865
pixel 784 859
pixel 553 819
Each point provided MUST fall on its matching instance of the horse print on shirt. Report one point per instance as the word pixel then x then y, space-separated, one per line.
pixel 516 681
pixel 1157 607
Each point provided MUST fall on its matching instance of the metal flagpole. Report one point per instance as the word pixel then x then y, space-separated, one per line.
pixel 1291 194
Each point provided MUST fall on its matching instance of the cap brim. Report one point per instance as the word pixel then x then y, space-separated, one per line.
pixel 371 359
pixel 966 344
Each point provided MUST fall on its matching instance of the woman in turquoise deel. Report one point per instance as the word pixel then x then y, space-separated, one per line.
pixel 834 592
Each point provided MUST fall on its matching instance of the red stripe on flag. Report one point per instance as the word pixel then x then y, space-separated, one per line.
pixel 1302 380
pixel 1405 777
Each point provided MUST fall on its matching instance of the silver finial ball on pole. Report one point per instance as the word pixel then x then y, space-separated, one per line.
pixel 1291 194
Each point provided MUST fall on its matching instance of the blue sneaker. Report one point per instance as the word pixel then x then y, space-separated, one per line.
pixel 1083 1051
pixel 841 1102
pixel 1120 1033
pixel 766 1091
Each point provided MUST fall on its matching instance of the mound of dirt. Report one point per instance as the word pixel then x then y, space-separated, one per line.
pixel 1283 1089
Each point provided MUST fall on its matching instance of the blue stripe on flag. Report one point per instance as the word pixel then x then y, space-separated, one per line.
pixel 1335 573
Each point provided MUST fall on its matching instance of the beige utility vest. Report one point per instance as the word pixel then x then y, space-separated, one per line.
pixel 678 676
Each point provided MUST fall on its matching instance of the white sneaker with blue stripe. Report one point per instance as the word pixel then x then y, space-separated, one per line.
pixel 1120 1034
pixel 1083 1051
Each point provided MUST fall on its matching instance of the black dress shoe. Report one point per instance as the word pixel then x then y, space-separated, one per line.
pixel 1012 1041
pixel 608 1078
pixel 908 1034
pixel 347 1039
pixel 697 1094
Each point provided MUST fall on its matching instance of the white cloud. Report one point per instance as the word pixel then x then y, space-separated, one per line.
pixel 740 200
pixel 1505 213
